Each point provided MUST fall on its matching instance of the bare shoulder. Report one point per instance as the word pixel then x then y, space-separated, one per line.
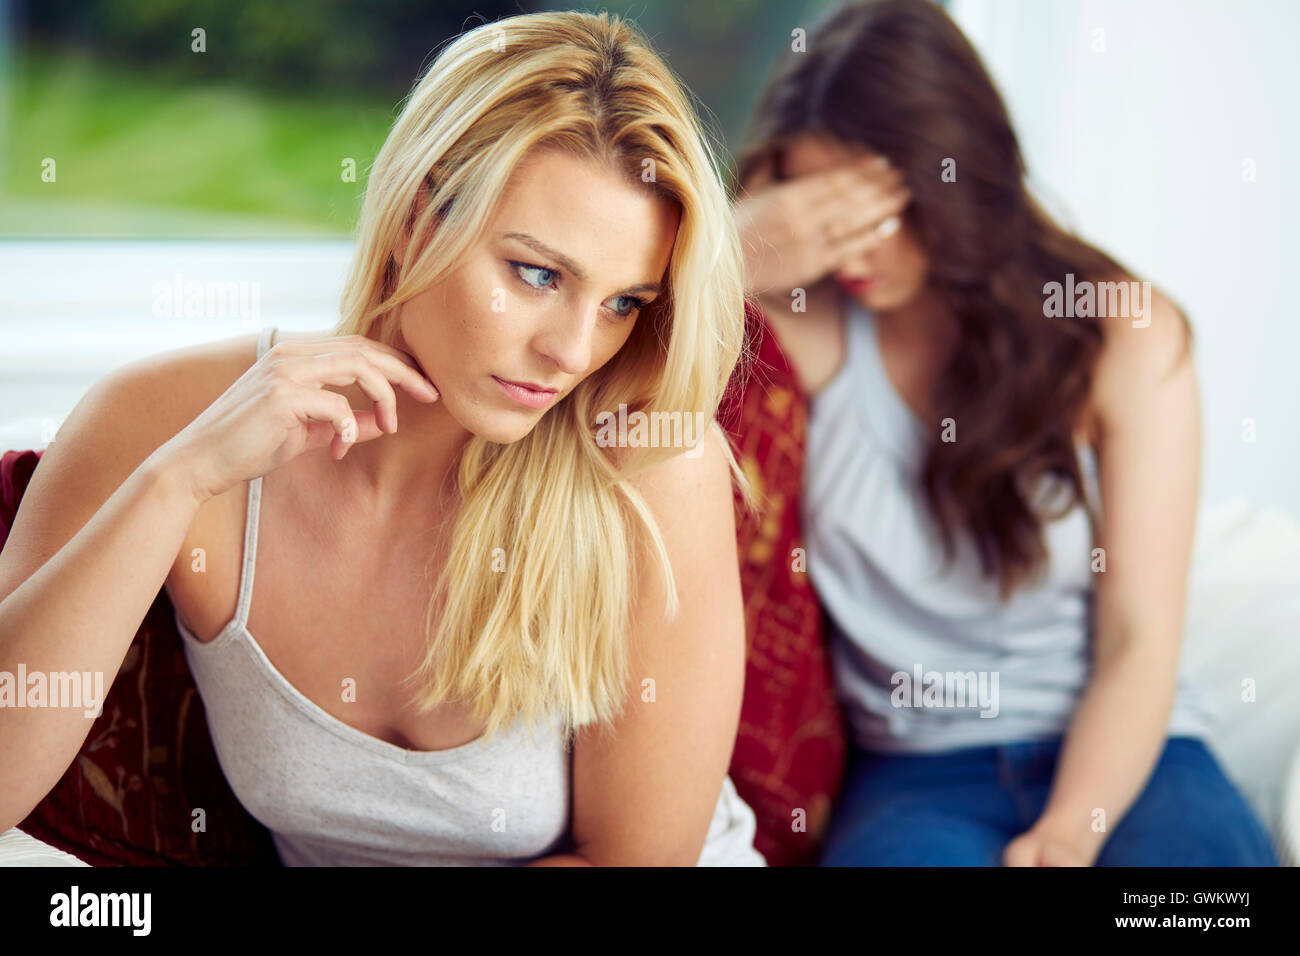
pixel 691 499
pixel 188 380
pixel 1144 349
pixel 130 412
pixel 120 421
pixel 133 410
pixel 702 468
pixel 1151 339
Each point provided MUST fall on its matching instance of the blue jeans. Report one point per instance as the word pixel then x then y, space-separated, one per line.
pixel 962 807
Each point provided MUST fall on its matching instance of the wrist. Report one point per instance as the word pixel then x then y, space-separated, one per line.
pixel 171 472
pixel 1074 828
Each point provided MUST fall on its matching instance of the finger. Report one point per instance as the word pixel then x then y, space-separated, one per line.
pixel 1054 854
pixel 848 229
pixel 318 405
pixel 1019 853
pixel 856 203
pixel 864 212
pixel 850 182
pixel 398 366
pixel 861 243
pixel 868 227
pixel 367 428
pixel 346 368
pixel 404 369
pixel 324 433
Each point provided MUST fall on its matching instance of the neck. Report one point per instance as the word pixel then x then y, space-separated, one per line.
pixel 924 317
pixel 412 468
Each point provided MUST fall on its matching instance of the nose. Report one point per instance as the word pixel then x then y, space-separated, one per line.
pixel 854 269
pixel 856 266
pixel 567 336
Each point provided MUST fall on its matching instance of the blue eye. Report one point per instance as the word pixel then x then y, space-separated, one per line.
pixel 636 306
pixel 523 267
pixel 527 272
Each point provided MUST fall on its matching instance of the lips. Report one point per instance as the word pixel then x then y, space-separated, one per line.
pixel 525 395
pixel 529 385
pixel 858 285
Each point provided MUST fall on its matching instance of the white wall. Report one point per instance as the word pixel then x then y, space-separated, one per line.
pixel 1144 145
pixel 73 310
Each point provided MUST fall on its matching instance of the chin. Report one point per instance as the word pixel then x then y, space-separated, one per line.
pixel 507 434
pixel 486 413
pixel 883 300
pixel 869 299
pixel 500 426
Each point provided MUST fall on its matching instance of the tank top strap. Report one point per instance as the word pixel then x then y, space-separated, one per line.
pixel 264 340
pixel 250 551
pixel 252 515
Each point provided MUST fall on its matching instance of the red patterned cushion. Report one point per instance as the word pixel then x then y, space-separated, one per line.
pixel 147 764
pixel 791 747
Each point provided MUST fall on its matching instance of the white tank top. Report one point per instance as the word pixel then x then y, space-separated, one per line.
pixel 899 625
pixel 332 795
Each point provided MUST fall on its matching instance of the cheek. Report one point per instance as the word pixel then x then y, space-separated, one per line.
pixel 448 326
pixel 417 320
pixel 618 340
pixel 909 263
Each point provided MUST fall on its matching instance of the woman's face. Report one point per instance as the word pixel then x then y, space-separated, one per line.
pixel 893 272
pixel 546 297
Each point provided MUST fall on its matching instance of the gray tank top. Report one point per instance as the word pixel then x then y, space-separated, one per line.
pixel 332 795
pixel 923 659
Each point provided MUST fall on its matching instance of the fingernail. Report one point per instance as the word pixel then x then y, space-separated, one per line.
pixel 881 163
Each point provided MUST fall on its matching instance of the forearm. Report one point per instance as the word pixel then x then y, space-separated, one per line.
pixel 1112 744
pixel 561 859
pixel 78 613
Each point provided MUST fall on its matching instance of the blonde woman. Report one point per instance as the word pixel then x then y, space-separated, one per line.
pixel 479 633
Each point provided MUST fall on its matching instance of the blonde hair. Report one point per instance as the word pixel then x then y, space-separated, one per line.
pixel 551 633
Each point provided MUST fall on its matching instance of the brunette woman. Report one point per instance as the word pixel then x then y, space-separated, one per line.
pixel 1000 488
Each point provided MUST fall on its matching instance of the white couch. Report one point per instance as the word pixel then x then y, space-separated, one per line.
pixel 1243 623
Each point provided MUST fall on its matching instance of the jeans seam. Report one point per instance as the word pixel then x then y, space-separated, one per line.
pixel 1009 780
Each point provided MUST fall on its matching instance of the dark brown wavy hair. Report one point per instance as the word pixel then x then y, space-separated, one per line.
pixel 898 78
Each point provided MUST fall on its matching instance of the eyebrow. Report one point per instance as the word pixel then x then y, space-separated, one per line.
pixel 565 262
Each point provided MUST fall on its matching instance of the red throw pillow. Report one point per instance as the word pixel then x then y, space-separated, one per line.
pixel 129 797
pixel 790 751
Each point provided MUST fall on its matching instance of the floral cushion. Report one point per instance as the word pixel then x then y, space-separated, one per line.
pixel 788 764
pixel 146 788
